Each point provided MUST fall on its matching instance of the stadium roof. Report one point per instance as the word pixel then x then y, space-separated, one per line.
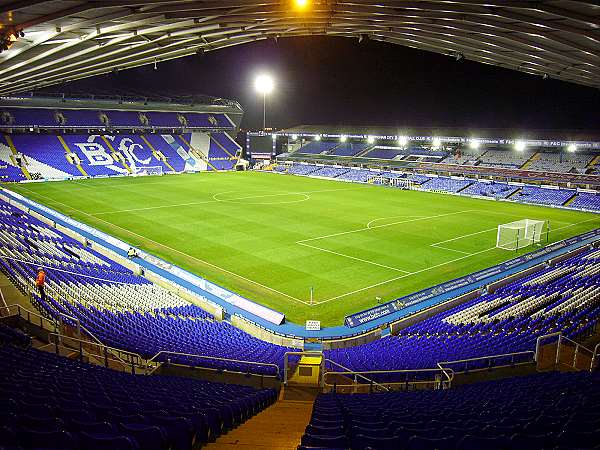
pixel 477 133
pixel 70 39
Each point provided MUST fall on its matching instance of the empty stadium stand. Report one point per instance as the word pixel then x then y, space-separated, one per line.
pixel 543 411
pixel 546 195
pixel 49 401
pixel 120 308
pixel 562 298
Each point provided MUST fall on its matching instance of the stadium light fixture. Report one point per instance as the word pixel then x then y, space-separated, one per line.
pixel 264 85
pixel 318 137
pixel 294 137
pixel 370 139
pixel 572 148
pixel 343 138
pixel 520 146
pixel 474 144
pixel 274 137
pixel 301 4
pixel 437 142
pixel 403 141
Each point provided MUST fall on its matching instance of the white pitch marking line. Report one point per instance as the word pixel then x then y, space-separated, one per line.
pixel 216 200
pixel 464 236
pixel 175 250
pixel 383 226
pixel 354 258
pixel 407 275
pixel 390 217
pixel 449 249
pixel 433 267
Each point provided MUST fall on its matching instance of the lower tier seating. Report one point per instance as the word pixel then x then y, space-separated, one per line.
pixel 544 411
pixel 51 402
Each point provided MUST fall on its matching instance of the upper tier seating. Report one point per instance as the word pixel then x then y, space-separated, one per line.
pixel 561 162
pixel 564 297
pixel 121 309
pixel 504 158
pixel 543 411
pixel 90 118
pixel 349 149
pixel 315 147
pixel 49 401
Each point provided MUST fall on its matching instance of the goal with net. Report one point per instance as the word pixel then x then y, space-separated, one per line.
pixel 147 170
pixel 519 234
pixel 401 183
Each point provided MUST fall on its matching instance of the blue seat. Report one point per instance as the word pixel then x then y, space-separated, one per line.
pixel 148 437
pixel 470 442
pixel 96 441
pixel 55 440
pixel 325 441
pixel 92 427
pixel 381 443
pixel 426 443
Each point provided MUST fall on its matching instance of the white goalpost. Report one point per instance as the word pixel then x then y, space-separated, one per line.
pixel 147 170
pixel 519 234
pixel 401 183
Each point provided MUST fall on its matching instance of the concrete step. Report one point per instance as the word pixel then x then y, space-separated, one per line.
pixel 280 426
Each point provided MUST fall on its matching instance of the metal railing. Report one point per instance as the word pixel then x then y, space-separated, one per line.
pixel 156 363
pixel 440 379
pixel 579 348
pixel 357 375
pixel 510 357
pixel 110 356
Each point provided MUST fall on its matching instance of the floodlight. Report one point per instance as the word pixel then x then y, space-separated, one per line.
pixel 437 142
pixel 403 141
pixel 520 146
pixel 318 137
pixel 474 144
pixel 572 148
pixel 343 138
pixel 264 84
pixel 274 136
pixel 301 4
pixel 294 137
pixel 370 139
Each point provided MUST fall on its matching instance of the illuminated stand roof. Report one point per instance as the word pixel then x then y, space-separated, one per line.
pixel 53 41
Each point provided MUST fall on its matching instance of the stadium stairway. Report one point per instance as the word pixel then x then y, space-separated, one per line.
pixel 14 151
pixel 593 162
pixel 197 153
pixel 531 160
pixel 279 427
pixel 67 151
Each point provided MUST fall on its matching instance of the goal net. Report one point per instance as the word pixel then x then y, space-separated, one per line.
pixel 147 170
pixel 401 183
pixel 519 234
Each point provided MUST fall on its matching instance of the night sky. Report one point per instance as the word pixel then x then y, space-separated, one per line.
pixel 339 81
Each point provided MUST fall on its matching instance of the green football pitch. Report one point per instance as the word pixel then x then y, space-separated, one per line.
pixel 273 237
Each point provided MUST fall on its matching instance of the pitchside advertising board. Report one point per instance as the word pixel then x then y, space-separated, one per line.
pixel 377 312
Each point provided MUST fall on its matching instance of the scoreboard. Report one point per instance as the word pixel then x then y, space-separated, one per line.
pixel 260 147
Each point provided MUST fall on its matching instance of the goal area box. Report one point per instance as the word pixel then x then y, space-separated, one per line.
pixel 519 234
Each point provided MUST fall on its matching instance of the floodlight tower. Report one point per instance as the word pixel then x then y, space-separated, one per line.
pixel 264 85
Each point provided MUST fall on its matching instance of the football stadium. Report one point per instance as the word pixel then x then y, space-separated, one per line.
pixel 172 278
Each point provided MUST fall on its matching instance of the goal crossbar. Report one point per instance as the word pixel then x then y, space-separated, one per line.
pixel 519 234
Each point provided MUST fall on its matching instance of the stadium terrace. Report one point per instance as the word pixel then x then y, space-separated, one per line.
pixel 169 281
